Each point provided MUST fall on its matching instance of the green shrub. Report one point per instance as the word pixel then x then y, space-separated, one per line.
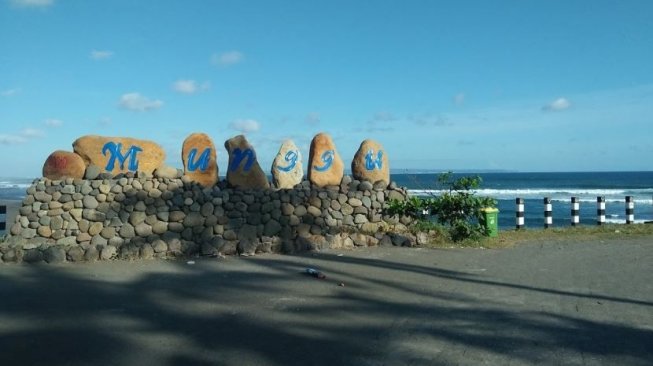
pixel 422 225
pixel 412 207
pixel 458 208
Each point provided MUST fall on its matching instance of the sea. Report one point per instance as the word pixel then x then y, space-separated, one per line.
pixel 505 187
pixel 14 189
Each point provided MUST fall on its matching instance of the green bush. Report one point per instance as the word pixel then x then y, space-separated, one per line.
pixel 457 208
pixel 412 207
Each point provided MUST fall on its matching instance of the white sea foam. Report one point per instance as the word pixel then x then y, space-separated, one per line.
pixel 608 200
pixel 641 196
pixel 7 184
pixel 623 221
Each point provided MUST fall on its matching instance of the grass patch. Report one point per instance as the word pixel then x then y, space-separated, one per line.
pixel 509 238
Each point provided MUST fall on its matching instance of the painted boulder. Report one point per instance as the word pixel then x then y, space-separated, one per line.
pixel 371 163
pixel 287 170
pixel 200 160
pixel 244 170
pixel 120 154
pixel 64 164
pixel 325 167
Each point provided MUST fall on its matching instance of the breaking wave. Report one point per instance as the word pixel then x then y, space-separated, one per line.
pixel 561 195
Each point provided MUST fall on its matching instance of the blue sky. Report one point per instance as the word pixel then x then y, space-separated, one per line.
pixel 515 85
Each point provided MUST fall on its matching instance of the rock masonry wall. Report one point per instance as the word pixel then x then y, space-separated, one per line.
pixel 140 216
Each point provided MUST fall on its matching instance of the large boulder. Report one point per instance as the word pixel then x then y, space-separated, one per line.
pixel 199 157
pixel 287 170
pixel 244 170
pixel 120 154
pixel 64 164
pixel 371 163
pixel 325 167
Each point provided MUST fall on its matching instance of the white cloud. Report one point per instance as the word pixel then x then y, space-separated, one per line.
pixel 245 125
pixel 227 58
pixel 10 92
pixel 11 139
pixel 139 103
pixel 383 121
pixel 185 86
pixel 22 137
pixel 104 122
pixel 32 133
pixel 559 104
pixel 313 119
pixel 374 129
pixel 384 117
pixel 459 99
pixel 53 122
pixel 100 55
pixel 429 119
pixel 190 86
pixel 33 3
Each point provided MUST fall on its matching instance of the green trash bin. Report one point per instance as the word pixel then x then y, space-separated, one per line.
pixel 490 219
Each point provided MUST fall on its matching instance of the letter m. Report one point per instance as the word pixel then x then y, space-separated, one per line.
pixel 115 153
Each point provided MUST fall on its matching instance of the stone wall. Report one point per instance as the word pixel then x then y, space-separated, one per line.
pixel 140 216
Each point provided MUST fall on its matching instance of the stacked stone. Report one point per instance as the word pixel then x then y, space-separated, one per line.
pixel 140 216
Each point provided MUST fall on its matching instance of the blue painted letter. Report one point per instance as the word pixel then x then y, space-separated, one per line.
pixel 202 162
pixel 327 159
pixel 115 151
pixel 370 164
pixel 291 157
pixel 239 155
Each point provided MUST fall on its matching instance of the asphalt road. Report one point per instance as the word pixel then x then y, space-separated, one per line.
pixel 588 303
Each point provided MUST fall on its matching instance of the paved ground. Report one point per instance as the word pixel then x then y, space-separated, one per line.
pixel 552 304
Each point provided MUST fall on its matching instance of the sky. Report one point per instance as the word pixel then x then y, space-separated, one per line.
pixel 442 85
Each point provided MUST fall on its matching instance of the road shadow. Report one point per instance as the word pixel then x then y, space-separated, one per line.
pixel 263 310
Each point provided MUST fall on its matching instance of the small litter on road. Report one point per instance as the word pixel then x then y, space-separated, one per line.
pixel 341 284
pixel 315 273
pixel 190 262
